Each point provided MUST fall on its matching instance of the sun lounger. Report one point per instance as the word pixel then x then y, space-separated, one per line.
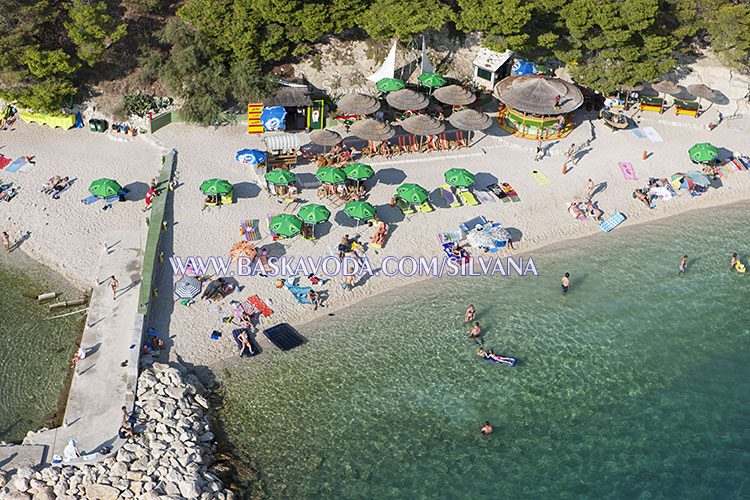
pixel 485 196
pixel 425 207
pixel 461 139
pixel 380 245
pixel 443 141
pixel 402 143
pixel 447 193
pixel 499 192
pixel 404 206
pixel 413 146
pixel 432 143
pixel 468 198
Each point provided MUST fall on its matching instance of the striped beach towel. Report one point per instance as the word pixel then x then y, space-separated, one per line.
pixel 443 141
pixel 460 138
pixel 251 229
pixel 413 144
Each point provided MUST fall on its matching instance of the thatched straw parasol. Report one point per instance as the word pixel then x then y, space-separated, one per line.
pixel 455 95
pixel 701 92
pixel 325 137
pixel 666 87
pixel 242 249
pixel 358 104
pixel 632 88
pixel 535 94
pixel 407 100
pixel 470 120
pixel 423 125
pixel 372 130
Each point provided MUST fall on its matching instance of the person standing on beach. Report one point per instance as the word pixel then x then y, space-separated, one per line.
pixel 149 198
pixel 565 283
pixel 113 284
pixel 470 313
pixel 683 263
pixel 539 150
pixel 6 241
pixel 589 188
pixel 569 155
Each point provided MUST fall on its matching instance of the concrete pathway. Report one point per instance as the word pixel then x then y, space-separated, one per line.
pixel 102 385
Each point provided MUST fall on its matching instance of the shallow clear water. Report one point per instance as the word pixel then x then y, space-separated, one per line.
pixel 634 385
pixel 36 352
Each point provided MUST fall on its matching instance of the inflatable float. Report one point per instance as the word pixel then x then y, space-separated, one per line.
pixel 503 360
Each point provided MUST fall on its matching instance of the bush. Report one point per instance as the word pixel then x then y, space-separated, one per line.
pixel 138 104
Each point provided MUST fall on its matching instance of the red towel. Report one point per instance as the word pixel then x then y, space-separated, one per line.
pixel 260 305
pixel 4 161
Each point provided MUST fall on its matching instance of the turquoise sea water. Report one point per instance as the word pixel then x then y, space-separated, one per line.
pixel 36 352
pixel 634 385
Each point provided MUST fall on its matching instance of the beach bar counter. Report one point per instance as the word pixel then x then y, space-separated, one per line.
pixel 534 106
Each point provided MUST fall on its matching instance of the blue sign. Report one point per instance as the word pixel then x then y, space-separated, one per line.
pixel 273 119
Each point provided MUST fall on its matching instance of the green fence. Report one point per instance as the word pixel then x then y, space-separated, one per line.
pixel 155 228
pixel 165 119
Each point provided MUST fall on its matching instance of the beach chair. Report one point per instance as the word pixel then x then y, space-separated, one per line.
pixel 683 107
pixel 402 144
pixel 413 146
pixel 380 245
pixel 373 148
pixel 432 143
pixel 651 104
pixel 447 194
pixel 467 197
pixel 425 207
pixel 443 141
pixel 403 205
pixel 461 139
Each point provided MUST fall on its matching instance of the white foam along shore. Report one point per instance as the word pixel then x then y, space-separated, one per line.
pixel 67 234
pixel 175 455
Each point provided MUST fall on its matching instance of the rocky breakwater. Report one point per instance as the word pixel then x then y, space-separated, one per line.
pixel 174 458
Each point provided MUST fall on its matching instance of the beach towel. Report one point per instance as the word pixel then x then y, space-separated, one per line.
pixel 540 177
pixel 450 199
pixel 3 161
pixel 485 196
pixel 402 143
pixel 443 141
pixel 638 133
pixel 450 237
pixel 58 193
pixel 245 354
pixel 652 134
pixel 300 293
pixel 251 229
pixel 510 192
pixel 260 306
pixel 460 138
pixel 627 171
pixel 91 199
pixel 15 165
pixel 432 143
pixel 413 144
pixel 612 222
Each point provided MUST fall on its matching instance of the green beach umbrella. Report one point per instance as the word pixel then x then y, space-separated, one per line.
pixel 413 193
pixel 330 175
pixel 359 171
pixel 287 225
pixel 313 213
pixel 431 80
pixel 105 188
pixel 703 152
pixel 390 84
pixel 216 186
pixel 359 210
pixel 280 177
pixel 459 177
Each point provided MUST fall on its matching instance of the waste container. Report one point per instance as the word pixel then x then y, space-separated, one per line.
pixel 101 125
pixel 92 125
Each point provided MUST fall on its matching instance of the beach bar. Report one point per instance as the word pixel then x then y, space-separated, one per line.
pixel 534 106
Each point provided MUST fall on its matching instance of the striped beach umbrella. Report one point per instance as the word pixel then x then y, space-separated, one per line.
pixel 187 287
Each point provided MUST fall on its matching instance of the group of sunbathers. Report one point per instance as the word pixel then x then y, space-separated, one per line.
pixel 55 186
pixel 590 209
pixel 218 289
pixel 7 191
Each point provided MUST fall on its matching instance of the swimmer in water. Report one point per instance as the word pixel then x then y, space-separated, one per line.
pixel 682 264
pixel 475 332
pixel 565 283
pixel 487 428
pixel 470 313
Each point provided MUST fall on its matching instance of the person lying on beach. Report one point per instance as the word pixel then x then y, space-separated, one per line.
pixel 211 289
pixel 380 234
pixel 313 297
pixel 574 210
pixel 247 348
pixel 51 184
pixel 346 247
pixel 642 197
pixel 315 280
pixel 595 212
pixel 60 187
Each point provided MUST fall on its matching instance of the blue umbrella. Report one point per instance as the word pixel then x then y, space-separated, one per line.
pixel 522 67
pixel 273 119
pixel 187 287
pixel 251 156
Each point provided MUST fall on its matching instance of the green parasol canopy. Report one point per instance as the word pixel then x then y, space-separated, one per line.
pixel 431 80
pixel 105 188
pixel 287 225
pixel 358 171
pixel 413 193
pixel 216 186
pixel 330 175
pixel 280 177
pixel 313 213
pixel 390 84
pixel 459 177
pixel 359 210
pixel 703 152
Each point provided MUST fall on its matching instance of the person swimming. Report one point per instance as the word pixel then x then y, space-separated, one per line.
pixel 487 428
pixel 683 263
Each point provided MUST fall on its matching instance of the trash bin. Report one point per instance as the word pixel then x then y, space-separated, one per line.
pixel 92 125
pixel 101 125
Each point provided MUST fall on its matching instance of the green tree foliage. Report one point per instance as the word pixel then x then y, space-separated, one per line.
pixel 91 29
pixel 730 32
pixel 504 22
pixel 403 18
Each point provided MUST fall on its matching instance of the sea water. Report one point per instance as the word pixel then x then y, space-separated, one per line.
pixel 634 385
pixel 35 352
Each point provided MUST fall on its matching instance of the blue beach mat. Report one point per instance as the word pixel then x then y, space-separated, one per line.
pixel 638 133
pixel 245 354
pixel 283 336
pixel 612 222
pixel 300 293
pixel 15 165
pixel 91 199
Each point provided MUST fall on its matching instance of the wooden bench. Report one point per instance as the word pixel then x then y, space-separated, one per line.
pixel 683 107
pixel 651 104
pixel 282 161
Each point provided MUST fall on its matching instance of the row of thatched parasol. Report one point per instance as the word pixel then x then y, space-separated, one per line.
pixel 405 100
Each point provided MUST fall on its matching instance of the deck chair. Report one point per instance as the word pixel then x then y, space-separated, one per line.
pixel 447 193
pixel 402 144
pixel 467 197
pixel 404 206
pixel 443 141
pixel 425 207
pixel 413 146
pixel 432 143
pixel 373 148
pixel 461 139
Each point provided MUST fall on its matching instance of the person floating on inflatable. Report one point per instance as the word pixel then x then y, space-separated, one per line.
pixel 736 264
